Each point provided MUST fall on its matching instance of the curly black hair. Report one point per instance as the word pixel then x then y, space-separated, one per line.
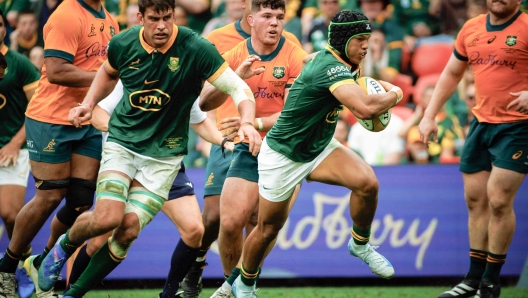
pixel 273 4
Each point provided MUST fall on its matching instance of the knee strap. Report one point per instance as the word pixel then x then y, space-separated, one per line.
pixel 51 184
pixel 79 198
pixel 144 204
pixel 112 186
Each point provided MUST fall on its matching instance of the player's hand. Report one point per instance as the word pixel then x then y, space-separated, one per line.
pixel 79 115
pixel 244 71
pixel 9 155
pixel 231 125
pixel 427 128
pixel 229 146
pixel 521 102
pixel 248 130
pixel 390 87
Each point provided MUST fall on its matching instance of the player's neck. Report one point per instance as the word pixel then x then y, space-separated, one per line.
pixel 245 25
pixel 261 48
pixel 95 4
pixel 496 21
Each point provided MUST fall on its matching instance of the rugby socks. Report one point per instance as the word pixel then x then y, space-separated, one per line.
pixel 9 262
pixel 234 274
pixel 38 260
pixel 79 265
pixel 477 263
pixel 493 267
pixel 68 246
pixel 27 252
pixel 102 263
pixel 182 259
pixel 248 277
pixel 361 237
pixel 201 255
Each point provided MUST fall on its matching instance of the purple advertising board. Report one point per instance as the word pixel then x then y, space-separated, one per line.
pixel 420 226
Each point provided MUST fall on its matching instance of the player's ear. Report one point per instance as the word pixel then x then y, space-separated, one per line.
pixel 140 18
pixel 250 19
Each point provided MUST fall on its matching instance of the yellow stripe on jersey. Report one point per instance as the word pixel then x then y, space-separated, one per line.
pixel 218 72
pixel 341 83
pixel 30 86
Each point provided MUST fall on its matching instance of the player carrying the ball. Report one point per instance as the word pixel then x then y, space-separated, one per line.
pixel 300 145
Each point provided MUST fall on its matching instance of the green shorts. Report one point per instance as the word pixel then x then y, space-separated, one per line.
pixel 216 171
pixel 503 145
pixel 55 143
pixel 244 165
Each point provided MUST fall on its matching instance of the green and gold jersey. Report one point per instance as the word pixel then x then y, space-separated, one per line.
pixel 20 75
pixel 308 120
pixel 160 87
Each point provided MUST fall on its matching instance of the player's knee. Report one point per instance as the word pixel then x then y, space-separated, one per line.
pixel 269 230
pixel 128 230
pixel 231 225
pixel 499 207
pixel 8 217
pixel 79 198
pixel 192 234
pixel 367 185
pixel 55 191
pixel 211 212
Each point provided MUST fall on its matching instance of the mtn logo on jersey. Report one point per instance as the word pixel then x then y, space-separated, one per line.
pixel 278 72
pixel 511 40
pixel 333 115
pixel 149 100
pixel 3 101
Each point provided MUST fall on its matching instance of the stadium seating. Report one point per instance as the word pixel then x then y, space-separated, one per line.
pixel 405 83
pixel 403 112
pixel 422 83
pixel 430 58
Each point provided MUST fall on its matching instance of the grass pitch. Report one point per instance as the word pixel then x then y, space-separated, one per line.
pixel 330 292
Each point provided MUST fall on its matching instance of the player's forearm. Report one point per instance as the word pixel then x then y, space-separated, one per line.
pixel 246 109
pixel 103 84
pixel 212 97
pixel 70 76
pixel 267 122
pixel 20 137
pixel 207 131
pixel 446 86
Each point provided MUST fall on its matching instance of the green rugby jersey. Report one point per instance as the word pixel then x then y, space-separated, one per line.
pixel 160 87
pixel 308 120
pixel 20 76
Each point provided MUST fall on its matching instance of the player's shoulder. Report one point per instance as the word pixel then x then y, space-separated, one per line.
pixel 523 19
pixel 217 33
pixel 476 23
pixel 293 48
pixel 68 12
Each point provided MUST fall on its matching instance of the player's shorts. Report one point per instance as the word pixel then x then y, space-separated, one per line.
pixel 216 170
pixel 278 175
pixel 503 145
pixel 55 143
pixel 16 175
pixel 155 174
pixel 182 185
pixel 243 165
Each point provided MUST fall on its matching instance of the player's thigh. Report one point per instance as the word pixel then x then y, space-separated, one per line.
pixel 184 212
pixel 84 167
pixel 475 190
pixel 343 167
pixel 502 187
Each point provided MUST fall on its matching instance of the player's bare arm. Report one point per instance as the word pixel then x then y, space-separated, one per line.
pixel 100 119
pixel 207 131
pixel 367 106
pixel 103 84
pixel 445 87
pixel 520 103
pixel 64 73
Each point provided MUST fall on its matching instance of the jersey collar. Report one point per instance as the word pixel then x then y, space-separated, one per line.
pixel 4 49
pixel 97 14
pixel 149 49
pixel 492 28
pixel 269 56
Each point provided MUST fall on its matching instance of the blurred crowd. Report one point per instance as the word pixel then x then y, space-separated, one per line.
pixel 410 44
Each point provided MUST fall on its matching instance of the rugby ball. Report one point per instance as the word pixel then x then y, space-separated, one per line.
pixel 378 123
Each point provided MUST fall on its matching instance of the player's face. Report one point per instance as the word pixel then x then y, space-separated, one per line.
pixel 503 8
pixel 357 48
pixel 267 25
pixel 158 26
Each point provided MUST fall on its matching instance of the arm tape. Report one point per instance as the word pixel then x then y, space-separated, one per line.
pixel 229 83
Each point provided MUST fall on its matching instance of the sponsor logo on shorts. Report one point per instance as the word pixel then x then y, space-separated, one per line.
pixel 517 154
pixel 189 184
pixel 50 146
pixel 209 181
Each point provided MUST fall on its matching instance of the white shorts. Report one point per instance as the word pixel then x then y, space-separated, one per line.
pixel 278 175
pixel 155 174
pixel 16 175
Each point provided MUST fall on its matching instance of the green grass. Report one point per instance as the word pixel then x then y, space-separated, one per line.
pixel 348 292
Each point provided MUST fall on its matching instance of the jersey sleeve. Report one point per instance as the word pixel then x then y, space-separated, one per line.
pixel 197 115
pixel 296 64
pixel 110 102
pixel 30 75
pixel 332 74
pixel 113 53
pixel 460 49
pixel 209 61
pixel 62 35
pixel 232 57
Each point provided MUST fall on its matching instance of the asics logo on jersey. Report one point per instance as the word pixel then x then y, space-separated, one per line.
pixel 492 39
pixel 147 82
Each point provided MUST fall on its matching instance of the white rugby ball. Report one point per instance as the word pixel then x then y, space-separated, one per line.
pixel 378 123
